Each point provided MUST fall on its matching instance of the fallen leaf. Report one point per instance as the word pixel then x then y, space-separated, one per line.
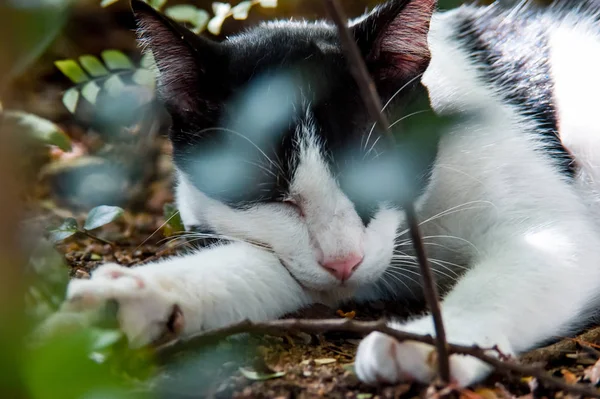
pixel 256 376
pixel 347 315
pixel 568 376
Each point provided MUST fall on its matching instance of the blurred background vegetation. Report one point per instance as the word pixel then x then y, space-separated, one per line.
pixel 80 128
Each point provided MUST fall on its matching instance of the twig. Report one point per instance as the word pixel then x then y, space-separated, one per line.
pixel 95 237
pixel 371 99
pixel 559 349
pixel 168 352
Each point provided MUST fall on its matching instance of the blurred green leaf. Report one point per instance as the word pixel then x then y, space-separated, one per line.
pixel 158 4
pixel 72 70
pixel 221 9
pixel 241 10
pixel 268 3
pixel 64 231
pixel 70 99
pixel 93 66
pixel 28 30
pixel 90 92
pixel 190 14
pixel 106 3
pixel 115 59
pixel 215 24
pixel 144 77
pixel 114 85
pixel 62 368
pixel 173 222
pixel 257 376
pixel 101 215
pixel 40 129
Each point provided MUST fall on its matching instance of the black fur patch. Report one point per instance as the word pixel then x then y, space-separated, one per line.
pixel 511 52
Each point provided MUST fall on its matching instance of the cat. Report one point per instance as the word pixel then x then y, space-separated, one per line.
pixel 274 153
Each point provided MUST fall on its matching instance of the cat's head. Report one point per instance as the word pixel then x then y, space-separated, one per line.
pixel 274 146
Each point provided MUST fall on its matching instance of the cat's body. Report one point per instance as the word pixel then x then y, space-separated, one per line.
pixel 507 205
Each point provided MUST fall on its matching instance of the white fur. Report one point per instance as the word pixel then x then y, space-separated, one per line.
pixel 496 210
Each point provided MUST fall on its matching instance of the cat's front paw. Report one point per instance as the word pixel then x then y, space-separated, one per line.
pixel 381 359
pixel 147 313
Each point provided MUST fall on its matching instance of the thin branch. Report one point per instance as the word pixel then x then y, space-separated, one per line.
pixel 371 99
pixel 95 237
pixel 167 353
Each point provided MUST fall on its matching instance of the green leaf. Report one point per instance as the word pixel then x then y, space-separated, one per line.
pixel 101 215
pixel 201 22
pixel 114 85
pixel 64 231
pixel 147 61
pixel 90 92
pixel 256 376
pixel 115 59
pixel 241 10
pixel 70 99
pixel 221 9
pixel 190 14
pixel 40 129
pixel 215 24
pixel 72 70
pixel 268 3
pixel 93 66
pixel 106 3
pixel 158 4
pixel 144 77
pixel 173 222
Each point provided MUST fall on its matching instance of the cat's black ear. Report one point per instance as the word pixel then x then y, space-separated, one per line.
pixel 393 38
pixel 188 65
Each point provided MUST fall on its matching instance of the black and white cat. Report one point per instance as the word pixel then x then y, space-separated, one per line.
pixel 509 201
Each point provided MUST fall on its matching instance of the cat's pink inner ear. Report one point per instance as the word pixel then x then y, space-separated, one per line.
pixel 407 33
pixel 177 53
pixel 400 30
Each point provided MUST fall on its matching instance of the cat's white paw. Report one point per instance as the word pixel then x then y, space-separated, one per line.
pixel 147 313
pixel 381 359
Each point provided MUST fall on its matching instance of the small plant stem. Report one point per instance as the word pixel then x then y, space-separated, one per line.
pixel 371 99
pixel 94 237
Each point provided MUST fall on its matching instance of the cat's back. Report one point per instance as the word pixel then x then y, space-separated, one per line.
pixel 541 63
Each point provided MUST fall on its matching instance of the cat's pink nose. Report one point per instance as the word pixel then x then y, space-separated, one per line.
pixel 342 268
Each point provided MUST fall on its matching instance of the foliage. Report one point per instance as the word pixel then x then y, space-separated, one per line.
pixel 97 217
pixel 173 222
pixel 199 19
pixel 91 76
pixel 66 356
pixel 38 129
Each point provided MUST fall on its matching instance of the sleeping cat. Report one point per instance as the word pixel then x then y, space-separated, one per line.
pixel 279 164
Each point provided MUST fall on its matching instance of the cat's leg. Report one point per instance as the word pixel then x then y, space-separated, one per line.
pixel 522 292
pixel 211 288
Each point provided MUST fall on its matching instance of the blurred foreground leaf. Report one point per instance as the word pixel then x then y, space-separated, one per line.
pixel 64 231
pixel 40 129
